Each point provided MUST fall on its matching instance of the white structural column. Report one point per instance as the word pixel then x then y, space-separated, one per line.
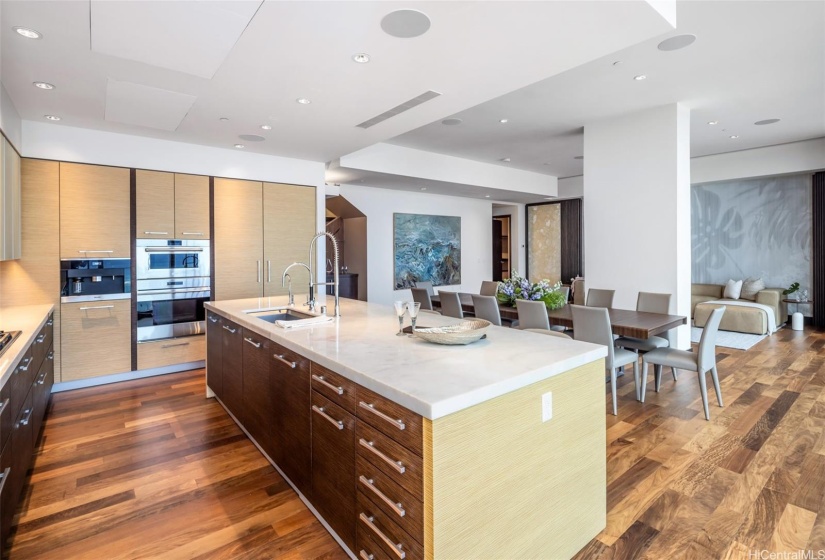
pixel 637 207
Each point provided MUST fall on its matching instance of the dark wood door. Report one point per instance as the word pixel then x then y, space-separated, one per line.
pixel 291 392
pixel 6 505
pixel 497 245
pixel 41 389
pixel 22 447
pixel 214 359
pixel 333 466
pixel 232 369
pixel 257 389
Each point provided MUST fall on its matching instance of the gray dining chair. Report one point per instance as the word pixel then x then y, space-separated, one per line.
pixel 450 304
pixel 649 302
pixel 427 286
pixel 592 324
pixel 486 307
pixel 549 333
pixel 600 298
pixel 565 290
pixel 422 296
pixel 488 288
pixel 532 315
pixel 701 362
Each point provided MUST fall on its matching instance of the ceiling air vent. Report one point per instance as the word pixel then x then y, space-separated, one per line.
pixel 406 106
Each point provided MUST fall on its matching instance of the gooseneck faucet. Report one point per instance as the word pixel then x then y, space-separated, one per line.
pixel 284 277
pixel 334 283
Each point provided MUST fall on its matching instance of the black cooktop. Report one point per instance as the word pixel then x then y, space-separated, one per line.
pixel 6 338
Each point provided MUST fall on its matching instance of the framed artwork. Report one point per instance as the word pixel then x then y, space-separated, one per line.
pixel 426 249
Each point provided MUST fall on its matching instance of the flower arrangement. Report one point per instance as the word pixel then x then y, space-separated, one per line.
pixel 517 287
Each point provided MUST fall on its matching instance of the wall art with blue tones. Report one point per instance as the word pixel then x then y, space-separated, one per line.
pixel 426 249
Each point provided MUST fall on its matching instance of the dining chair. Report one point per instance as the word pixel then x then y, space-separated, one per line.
pixel 549 333
pixel 600 298
pixel 488 288
pixel 422 296
pixel 532 315
pixel 701 362
pixel 592 324
pixel 450 304
pixel 565 290
pixel 486 307
pixel 427 286
pixel 649 302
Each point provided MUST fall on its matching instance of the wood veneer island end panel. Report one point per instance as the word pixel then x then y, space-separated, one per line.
pixel 500 483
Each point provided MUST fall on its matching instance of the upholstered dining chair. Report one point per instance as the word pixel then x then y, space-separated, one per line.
pixel 701 362
pixel 486 307
pixel 488 288
pixel 549 333
pixel 450 304
pixel 600 298
pixel 592 324
pixel 427 286
pixel 532 315
pixel 651 303
pixel 422 296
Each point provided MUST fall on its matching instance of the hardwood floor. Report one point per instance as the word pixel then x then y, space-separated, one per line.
pixel 152 469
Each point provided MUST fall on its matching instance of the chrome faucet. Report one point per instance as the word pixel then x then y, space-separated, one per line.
pixel 334 283
pixel 284 277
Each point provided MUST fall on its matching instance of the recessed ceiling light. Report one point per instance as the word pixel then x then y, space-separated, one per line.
pixel 766 121
pixel 486 196
pixel 240 146
pixel 423 188
pixel 266 127
pixel 28 33
pixel 52 117
pixel 224 119
pixel 43 85
pixel 505 159
pixel 640 77
pixel 303 101
pixel 405 24
pixel 503 121
pixel 711 123
pixel 548 198
pixel 677 42
pixel 578 157
pixel 734 136
pixel 452 122
pixel 361 58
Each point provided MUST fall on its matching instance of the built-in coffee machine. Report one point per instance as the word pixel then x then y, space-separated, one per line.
pixel 95 279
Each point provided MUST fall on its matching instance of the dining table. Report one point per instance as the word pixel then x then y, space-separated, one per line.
pixel 624 322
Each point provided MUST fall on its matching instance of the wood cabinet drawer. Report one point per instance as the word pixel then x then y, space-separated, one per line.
pixel 367 549
pixel 336 388
pixel 6 415
pixel 400 464
pixel 41 344
pixel 398 504
pixel 401 424
pixel 20 382
pixel 96 338
pixel 161 353
pixel 375 525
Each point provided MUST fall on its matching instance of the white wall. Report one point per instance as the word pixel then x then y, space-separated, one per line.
pixel 379 205
pixel 10 122
pixel 571 187
pixel 518 256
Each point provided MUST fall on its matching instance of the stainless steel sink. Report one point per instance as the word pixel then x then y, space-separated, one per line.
pixel 285 314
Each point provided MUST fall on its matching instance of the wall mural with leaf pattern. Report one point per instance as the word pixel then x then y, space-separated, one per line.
pixel 752 228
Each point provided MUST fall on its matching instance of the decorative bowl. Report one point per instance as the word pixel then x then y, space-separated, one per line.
pixel 466 332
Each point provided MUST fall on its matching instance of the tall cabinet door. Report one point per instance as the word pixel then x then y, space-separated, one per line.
pixel 289 225
pixel 239 267
pixel 155 212
pixel 94 212
pixel 191 206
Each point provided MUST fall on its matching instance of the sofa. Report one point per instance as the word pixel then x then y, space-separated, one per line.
pixel 737 318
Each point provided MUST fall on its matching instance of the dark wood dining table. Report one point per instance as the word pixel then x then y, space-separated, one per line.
pixel 625 322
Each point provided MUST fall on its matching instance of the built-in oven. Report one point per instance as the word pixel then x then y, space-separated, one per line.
pixel 172 258
pixel 171 307
pixel 95 279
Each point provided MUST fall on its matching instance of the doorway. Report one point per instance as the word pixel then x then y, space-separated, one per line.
pixel 501 248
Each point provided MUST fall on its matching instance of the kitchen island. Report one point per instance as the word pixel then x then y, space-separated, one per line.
pixel 412 450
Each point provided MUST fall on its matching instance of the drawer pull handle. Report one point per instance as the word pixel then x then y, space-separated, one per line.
pixel 397 423
pixel 396 507
pixel 25 367
pixel 4 405
pixel 173 345
pixel 50 356
pixel 191 233
pixel 4 476
pixel 92 251
pixel 50 322
pixel 252 342
pixel 368 521
pixel 230 329
pixel 365 556
pixel 213 319
pixel 280 357
pixel 397 465
pixel 156 232
pixel 40 338
pixel 42 379
pixel 25 421
pixel 320 379
pixel 337 423
pixel 97 307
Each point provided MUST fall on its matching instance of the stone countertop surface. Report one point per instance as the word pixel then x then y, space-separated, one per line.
pixel 430 379
pixel 26 318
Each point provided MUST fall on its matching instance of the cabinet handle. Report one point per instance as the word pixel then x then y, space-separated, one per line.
pixel 284 360
pixel 364 556
pixel 396 507
pixel 50 356
pixel 4 476
pixel 97 307
pixel 397 423
pixel 4 405
pixel 259 271
pixel 368 521
pixel 25 421
pixel 173 345
pixel 397 465
pixel 156 232
pixel 92 251
pixel 42 378
pixel 22 367
pixel 252 342
pixel 212 319
pixel 320 379
pixel 191 233
pixel 268 271
pixel 337 423
pixel 50 322
pixel 40 338
pixel 230 329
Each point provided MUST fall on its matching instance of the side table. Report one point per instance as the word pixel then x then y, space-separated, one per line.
pixel 797 319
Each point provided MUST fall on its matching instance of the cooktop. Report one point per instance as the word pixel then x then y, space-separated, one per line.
pixel 6 338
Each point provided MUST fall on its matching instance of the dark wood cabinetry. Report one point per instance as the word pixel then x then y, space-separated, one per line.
pixel 214 354
pixel 232 368
pixel 257 390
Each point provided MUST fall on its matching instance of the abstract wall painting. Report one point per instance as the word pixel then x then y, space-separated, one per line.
pixel 426 249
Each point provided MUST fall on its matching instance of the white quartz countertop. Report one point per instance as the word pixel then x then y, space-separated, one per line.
pixel 26 318
pixel 430 379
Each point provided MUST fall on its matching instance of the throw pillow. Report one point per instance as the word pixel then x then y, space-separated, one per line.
pixel 733 289
pixel 752 287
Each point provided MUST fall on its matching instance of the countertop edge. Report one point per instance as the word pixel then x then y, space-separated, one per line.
pixel 11 358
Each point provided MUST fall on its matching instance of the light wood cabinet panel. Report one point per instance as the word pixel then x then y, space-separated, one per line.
pixel 288 229
pixel 191 206
pixel 94 212
pixel 172 351
pixel 155 201
pixel 96 338
pixel 238 242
